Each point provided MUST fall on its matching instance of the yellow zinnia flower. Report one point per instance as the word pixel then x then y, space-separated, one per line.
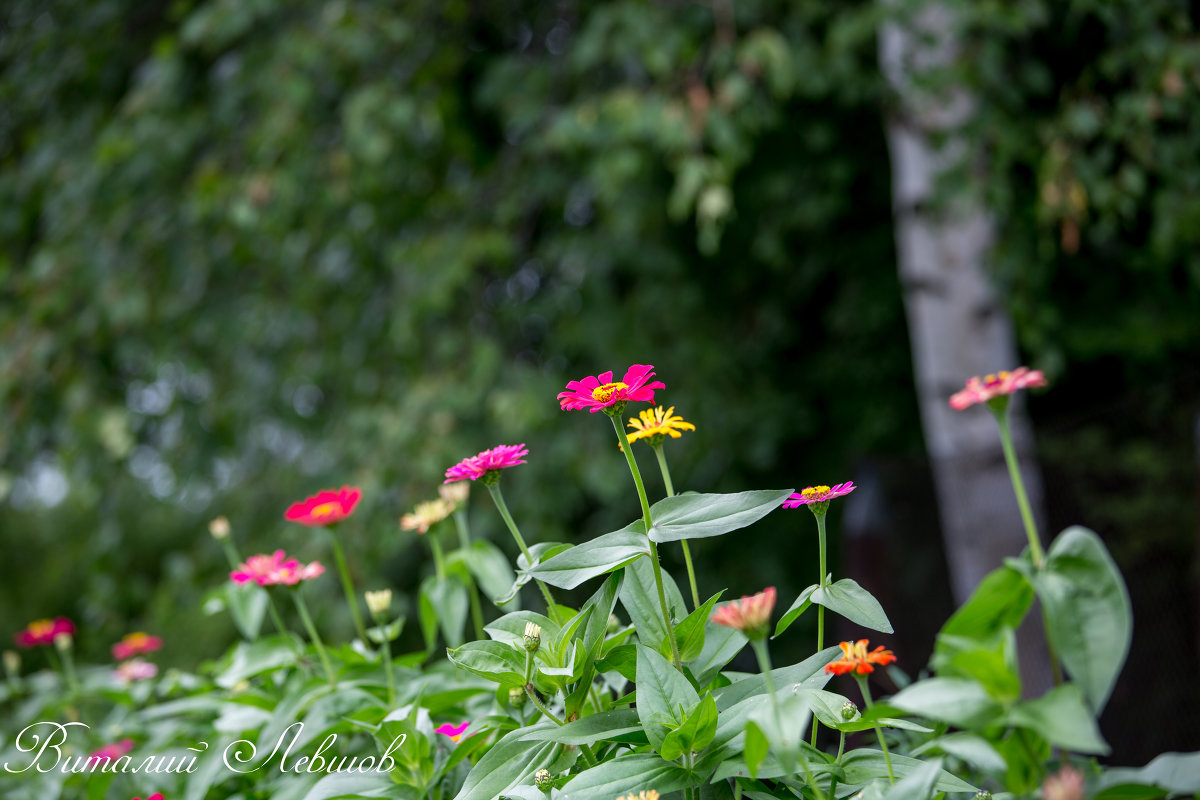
pixel 658 423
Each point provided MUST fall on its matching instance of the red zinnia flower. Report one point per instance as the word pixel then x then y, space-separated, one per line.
pixel 135 644
pixel 325 507
pixel 595 393
pixel 749 615
pixel 501 456
pixel 981 390
pixel 818 494
pixel 43 631
pixel 455 732
pixel 111 750
pixel 855 658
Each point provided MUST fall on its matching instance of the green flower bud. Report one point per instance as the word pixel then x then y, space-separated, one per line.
pixel 532 637
pixel 543 780
pixel 849 711
pixel 516 697
pixel 614 623
pixel 983 794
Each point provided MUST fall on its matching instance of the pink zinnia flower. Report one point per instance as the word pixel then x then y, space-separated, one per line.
pixel 274 569
pixel 818 494
pixel 325 507
pixel 749 615
pixel 135 669
pixel 981 390
pixel 596 393
pixel 112 750
pixel 135 644
pixel 1066 784
pixel 455 732
pixel 499 457
pixel 292 572
pixel 155 796
pixel 43 631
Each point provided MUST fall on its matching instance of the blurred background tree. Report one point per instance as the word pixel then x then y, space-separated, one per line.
pixel 252 248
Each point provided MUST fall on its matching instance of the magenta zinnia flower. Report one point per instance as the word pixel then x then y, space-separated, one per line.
pixel 499 457
pixel 455 732
pixel 325 507
pixel 110 751
pixel 135 644
pixel 598 392
pixel 818 494
pixel 749 615
pixel 981 390
pixel 274 569
pixel 135 669
pixel 43 631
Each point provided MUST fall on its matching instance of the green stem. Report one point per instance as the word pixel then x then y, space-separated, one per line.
pixel 764 666
pixel 1014 472
pixel 541 706
pixel 464 530
pixel 687 552
pixel 502 507
pixel 68 666
pixel 348 587
pixel 822 581
pixel 866 693
pixel 387 667
pixel 439 561
pixel 464 543
pixel 627 449
pixel 302 607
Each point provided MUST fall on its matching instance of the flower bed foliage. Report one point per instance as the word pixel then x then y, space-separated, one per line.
pixel 627 697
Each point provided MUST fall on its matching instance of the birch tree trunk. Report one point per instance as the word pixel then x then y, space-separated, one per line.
pixel 956 325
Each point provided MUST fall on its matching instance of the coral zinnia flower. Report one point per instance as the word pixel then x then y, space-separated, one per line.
pixel 43 631
pixel 855 658
pixel 426 515
pixel 818 494
pixel 501 456
pixel 1000 384
pixel 455 732
pixel 112 750
pixel 135 644
pixel 274 569
pixel 749 615
pixel 325 507
pixel 596 393
pixel 135 669
pixel 656 424
pixel 1066 784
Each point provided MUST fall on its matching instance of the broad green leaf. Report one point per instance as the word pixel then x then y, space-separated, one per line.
pixel 495 661
pixel 540 552
pixel 1088 613
pixel 448 600
pixel 1062 718
pixel 801 604
pixel 917 784
pixel 865 764
pixel 958 701
pixel 721 644
pixel 351 784
pixel 690 633
pixel 251 658
pixel 992 663
pixel 622 659
pixel 969 747
pixel 662 693
pixel 605 726
pixel 510 628
pixel 698 729
pixel 603 602
pixel 1000 601
pixel 247 605
pixel 491 568
pixel 639 597
pixel 601 555
pixel 511 762
pixel 697 516
pixel 614 778
pixel 854 603
pixel 1178 773
pixel 755 748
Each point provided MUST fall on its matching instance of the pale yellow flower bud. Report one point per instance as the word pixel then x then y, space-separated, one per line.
pixel 63 641
pixel 379 602
pixel 532 637
pixel 219 528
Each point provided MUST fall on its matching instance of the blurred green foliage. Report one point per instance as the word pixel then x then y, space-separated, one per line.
pixel 251 248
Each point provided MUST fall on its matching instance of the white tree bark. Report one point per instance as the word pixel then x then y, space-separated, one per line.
pixel 957 326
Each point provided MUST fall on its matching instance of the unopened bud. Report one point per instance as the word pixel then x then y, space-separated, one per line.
pixel 516 697
pixel 543 780
pixel 12 663
pixel 983 794
pixel 379 602
pixel 532 637
pixel 219 528
pixel 849 710
pixel 614 624
pixel 63 641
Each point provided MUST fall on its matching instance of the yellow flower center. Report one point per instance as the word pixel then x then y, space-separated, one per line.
pixel 325 509
pixel 41 627
pixel 812 491
pixel 998 377
pixel 604 393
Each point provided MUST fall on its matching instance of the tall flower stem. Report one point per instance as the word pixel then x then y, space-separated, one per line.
pixel 463 529
pixel 764 666
pixel 235 559
pixel 687 552
pixel 502 507
pixel 464 542
pixel 1014 472
pixel 866 693
pixel 302 607
pixel 439 560
pixel 821 581
pixel 348 587
pixel 648 522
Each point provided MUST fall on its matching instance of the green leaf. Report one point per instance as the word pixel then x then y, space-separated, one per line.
pixel 854 603
pixel 611 779
pixel 491 568
pixel 639 597
pixel 494 661
pixel 999 602
pixel 349 784
pixel 690 633
pixel 1062 718
pixel 1178 773
pixel 755 748
pixel 721 644
pixel 445 601
pixel 698 516
pixel 510 628
pixel 958 701
pixel 976 751
pixel 511 762
pixel 251 658
pixel 917 784
pixel 604 726
pixel 1088 613
pixel 662 693
pixel 864 765
pixel 698 729
pixel 993 663
pixel 601 555
pixel 622 659
pixel 603 602
pixel 540 552
pixel 797 608
pixel 247 605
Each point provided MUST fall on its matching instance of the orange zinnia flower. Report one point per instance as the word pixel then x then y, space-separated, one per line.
pixel 855 658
